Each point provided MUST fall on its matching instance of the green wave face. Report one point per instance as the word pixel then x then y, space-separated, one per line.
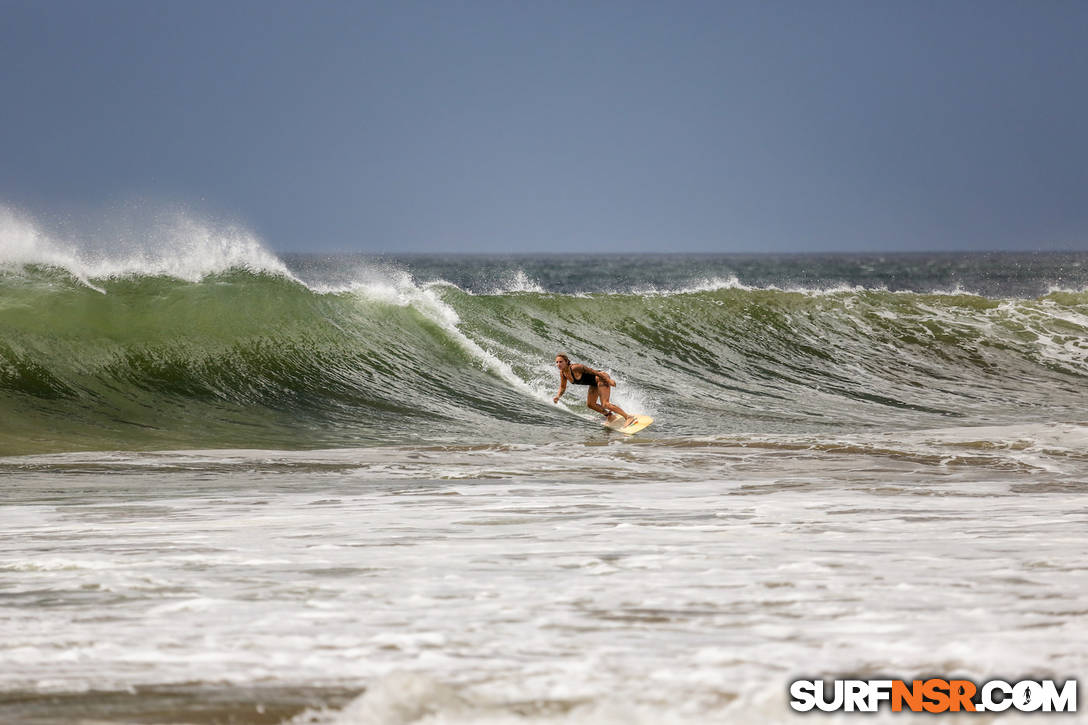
pixel 236 359
pixel 244 359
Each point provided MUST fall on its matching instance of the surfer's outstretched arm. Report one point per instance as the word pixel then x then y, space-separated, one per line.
pixel 562 388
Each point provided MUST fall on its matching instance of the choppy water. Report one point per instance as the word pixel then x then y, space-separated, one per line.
pixel 244 488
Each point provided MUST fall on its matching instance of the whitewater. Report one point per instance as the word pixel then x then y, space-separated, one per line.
pixel 240 486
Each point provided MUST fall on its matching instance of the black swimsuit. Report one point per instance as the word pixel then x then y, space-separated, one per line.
pixel 587 378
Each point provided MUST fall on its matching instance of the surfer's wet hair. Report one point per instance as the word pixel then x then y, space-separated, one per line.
pixel 563 355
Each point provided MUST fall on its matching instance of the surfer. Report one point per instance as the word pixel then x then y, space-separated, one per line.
pixel 600 386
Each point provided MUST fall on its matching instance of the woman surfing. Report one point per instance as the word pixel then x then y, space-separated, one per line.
pixel 600 387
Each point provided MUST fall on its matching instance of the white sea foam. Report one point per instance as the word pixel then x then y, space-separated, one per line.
pixel 174 244
pixel 23 243
pixel 658 581
pixel 515 282
pixel 715 284
pixel 406 698
pixel 705 285
pixel 1063 289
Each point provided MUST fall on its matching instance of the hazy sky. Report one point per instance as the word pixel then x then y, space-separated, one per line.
pixel 560 126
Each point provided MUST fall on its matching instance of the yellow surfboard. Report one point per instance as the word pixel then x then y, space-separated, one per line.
pixel 618 423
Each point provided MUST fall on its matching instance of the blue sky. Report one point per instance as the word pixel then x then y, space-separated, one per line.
pixel 559 126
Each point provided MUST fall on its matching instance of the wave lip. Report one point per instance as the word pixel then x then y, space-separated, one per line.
pixel 178 246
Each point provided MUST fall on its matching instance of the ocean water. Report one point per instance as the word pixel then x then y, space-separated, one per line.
pixel 244 487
